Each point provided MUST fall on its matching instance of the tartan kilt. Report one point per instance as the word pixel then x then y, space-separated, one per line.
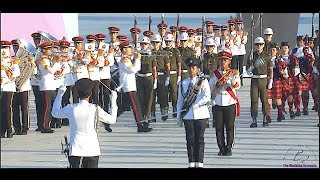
pixel 276 91
pixel 291 86
pixel 306 85
pixel 314 83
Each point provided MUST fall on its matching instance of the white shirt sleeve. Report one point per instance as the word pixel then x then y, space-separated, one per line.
pixel 108 118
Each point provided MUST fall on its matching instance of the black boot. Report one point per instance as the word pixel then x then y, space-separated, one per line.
pixel 292 115
pixel 298 113
pixel 265 122
pixel 305 111
pixel 143 128
pixel 164 114
pixel 153 117
pixel 107 127
pixel 174 114
pixel 254 122
pixel 9 133
pixel 280 117
pixel 268 118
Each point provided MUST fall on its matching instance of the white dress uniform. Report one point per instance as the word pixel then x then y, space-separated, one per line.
pixel 83 136
pixel 127 71
pixel 47 70
pixel 35 80
pixel 202 99
pixel 68 77
pixel 8 85
pixel 217 41
pixel 223 98
pixel 239 47
pixel 223 44
pixel 104 71
pixel 79 69
pixel 93 71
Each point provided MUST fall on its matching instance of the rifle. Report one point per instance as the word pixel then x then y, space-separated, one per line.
pixel 202 43
pixel 162 22
pixel 150 20
pixel 260 16
pixel 135 30
pixel 252 40
pixel 178 21
pixel 312 27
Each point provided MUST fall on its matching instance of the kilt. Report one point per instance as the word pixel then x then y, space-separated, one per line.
pixel 291 86
pixel 314 83
pixel 306 85
pixel 276 91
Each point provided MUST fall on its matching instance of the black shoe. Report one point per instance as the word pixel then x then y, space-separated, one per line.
pixel 228 152
pixel 65 122
pixel 213 124
pixel 24 132
pixel 265 124
pixel 142 128
pixel 313 107
pixel 38 129
pixel 107 127
pixel 207 125
pixel 174 114
pixel 274 106
pixel 280 117
pixel 164 115
pixel 253 125
pixel 292 115
pixel 268 118
pixel 305 111
pixel 52 125
pixel 17 133
pixel 47 131
pixel 221 152
pixel 2 136
pixel 298 113
pixel 58 125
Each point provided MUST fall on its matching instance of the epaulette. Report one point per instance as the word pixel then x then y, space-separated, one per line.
pixel 2 67
pixel 16 60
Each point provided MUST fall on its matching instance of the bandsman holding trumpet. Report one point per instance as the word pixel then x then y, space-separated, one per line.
pixel 9 71
pixel 226 103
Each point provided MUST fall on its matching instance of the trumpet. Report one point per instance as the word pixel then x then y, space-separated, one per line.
pixel 149 52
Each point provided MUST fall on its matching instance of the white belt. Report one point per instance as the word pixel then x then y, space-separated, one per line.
pixel 207 76
pixel 173 72
pixel 185 71
pixel 144 75
pixel 259 76
pixel 224 93
pixel 160 73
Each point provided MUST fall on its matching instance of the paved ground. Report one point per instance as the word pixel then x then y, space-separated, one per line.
pixel 282 144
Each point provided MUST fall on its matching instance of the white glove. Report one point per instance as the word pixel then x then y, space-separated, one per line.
pixel 258 62
pixel 155 84
pixel 62 89
pixel 249 71
pixel 118 89
pixel 166 83
pixel 113 98
pixel 315 70
pixel 178 80
pixel 196 106
pixel 270 84
pixel 296 71
pixel 286 76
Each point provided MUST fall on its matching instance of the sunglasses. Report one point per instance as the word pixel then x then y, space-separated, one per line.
pixel 258 44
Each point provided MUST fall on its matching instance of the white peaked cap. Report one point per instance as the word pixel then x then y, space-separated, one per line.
pixel 268 31
pixel 168 37
pixel 210 42
pixel 156 38
pixel 184 36
pixel 259 40
pixel 145 39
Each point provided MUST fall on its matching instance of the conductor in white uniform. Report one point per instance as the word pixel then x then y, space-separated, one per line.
pixel 83 120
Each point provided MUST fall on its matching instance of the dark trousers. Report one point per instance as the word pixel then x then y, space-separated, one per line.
pixel 145 94
pixel 162 94
pixel 104 93
pixel 21 102
pixel 66 97
pixel 39 105
pixel 48 99
pixel 237 63
pixel 6 112
pixel 195 139
pixel 173 89
pixel 225 117
pixel 136 107
pixel 85 162
pixel 94 98
pixel 258 88
pixel 75 95
pixel 123 101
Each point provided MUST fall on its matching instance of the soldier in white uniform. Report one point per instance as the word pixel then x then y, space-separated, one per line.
pixel 225 40
pixel 79 65
pixel 226 104
pixel 84 123
pixel 127 71
pixel 209 31
pixel 34 81
pixel 47 68
pixel 194 113
pixel 21 100
pixel 9 70
pixel 216 37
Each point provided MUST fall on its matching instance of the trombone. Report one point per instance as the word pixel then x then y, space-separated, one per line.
pixel 150 52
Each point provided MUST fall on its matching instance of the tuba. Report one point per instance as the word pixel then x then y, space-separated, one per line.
pixel 26 54
pixel 46 37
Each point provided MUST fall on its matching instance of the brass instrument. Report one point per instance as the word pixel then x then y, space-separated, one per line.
pixel 26 53
pixel 46 37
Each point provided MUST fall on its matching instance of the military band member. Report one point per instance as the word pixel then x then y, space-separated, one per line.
pixel 225 39
pixel 48 68
pixel 35 79
pixel 146 80
pixel 232 27
pixel 191 40
pixel 259 81
pixel 226 103
pixel 175 75
pixel 196 114
pixel 9 70
pixel 101 38
pixel 68 80
pixel 185 52
pixel 162 29
pixel 135 34
pixel 163 71
pixel 84 122
pixel 209 31
pixel 79 66
pixel 174 32
pixel 21 100
pixel 127 72
pixel 239 48
pixel 268 34
pixel 217 37
pixel 279 85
